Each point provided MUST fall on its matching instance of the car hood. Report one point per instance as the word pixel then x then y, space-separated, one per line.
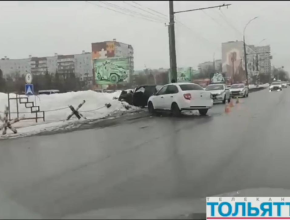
pixel 275 85
pixel 237 90
pixel 215 91
pixel 175 208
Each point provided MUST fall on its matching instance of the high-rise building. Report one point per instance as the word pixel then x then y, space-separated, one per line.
pixel 264 59
pixel 233 62
pixel 205 66
pixel 215 65
pixel 79 64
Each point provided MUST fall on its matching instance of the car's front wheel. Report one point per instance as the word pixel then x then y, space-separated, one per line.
pixel 203 111
pixel 151 109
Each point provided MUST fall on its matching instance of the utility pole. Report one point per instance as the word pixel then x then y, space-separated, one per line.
pixel 213 63
pixel 172 50
pixel 246 64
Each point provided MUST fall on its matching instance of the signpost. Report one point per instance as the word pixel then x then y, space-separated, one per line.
pixel 29 88
pixel 28 78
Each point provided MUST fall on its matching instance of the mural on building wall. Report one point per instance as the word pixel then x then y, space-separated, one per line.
pixel 103 50
pixel 111 70
pixel 233 63
pixel 111 64
pixel 233 66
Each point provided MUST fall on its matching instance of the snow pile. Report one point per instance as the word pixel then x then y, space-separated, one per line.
pixel 57 110
pixel 252 86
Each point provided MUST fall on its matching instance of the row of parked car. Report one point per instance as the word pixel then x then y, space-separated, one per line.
pixel 278 85
pixel 176 97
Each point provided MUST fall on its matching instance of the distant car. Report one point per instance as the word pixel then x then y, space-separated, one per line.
pixel 275 86
pixel 239 90
pixel 219 92
pixel 48 92
pixel 284 84
pixel 177 97
pixel 142 93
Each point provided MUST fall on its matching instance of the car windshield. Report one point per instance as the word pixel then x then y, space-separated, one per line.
pixel 214 87
pixel 276 83
pixel 237 86
pixel 187 87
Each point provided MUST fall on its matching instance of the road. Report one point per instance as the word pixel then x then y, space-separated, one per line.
pixel 149 159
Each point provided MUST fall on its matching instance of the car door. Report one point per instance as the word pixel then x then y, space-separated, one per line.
pixel 171 92
pixel 159 98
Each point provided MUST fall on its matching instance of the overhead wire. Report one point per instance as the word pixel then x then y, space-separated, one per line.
pixel 150 9
pixel 222 15
pixel 214 20
pixel 193 32
pixel 128 10
pixel 140 8
pixel 122 12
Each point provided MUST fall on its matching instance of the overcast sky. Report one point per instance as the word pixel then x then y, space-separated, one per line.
pixel 45 28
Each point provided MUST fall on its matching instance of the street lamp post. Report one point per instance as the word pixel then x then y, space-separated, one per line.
pixel 213 63
pixel 261 41
pixel 245 53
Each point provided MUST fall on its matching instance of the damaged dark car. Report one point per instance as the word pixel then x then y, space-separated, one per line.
pixel 143 93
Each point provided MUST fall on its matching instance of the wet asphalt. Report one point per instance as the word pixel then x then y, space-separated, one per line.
pixel 147 159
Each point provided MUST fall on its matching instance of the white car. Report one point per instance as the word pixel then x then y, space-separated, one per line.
pixel 276 86
pixel 176 97
pixel 240 90
pixel 219 92
pixel 284 84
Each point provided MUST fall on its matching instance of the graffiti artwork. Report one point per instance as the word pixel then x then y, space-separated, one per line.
pixel 111 70
pixel 103 50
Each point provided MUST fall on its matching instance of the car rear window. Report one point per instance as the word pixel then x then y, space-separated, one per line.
pixel 187 87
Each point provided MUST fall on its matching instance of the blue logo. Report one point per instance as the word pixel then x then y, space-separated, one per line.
pixel 29 89
pixel 248 207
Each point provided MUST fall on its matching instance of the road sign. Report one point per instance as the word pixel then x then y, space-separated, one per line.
pixel 28 78
pixel 29 89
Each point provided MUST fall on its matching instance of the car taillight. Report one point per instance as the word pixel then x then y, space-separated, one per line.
pixel 187 96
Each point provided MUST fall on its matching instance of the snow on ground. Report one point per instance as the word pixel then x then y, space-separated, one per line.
pixel 57 110
pixel 252 86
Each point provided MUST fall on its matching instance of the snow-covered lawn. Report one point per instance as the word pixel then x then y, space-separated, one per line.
pixel 56 110
pixel 251 86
